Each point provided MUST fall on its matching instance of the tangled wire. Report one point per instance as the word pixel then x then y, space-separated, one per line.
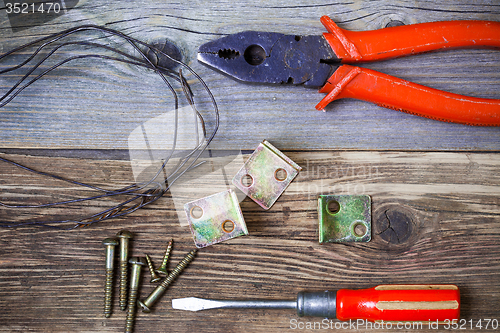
pixel 137 195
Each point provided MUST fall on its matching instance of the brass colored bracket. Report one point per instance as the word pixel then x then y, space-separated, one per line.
pixel 266 174
pixel 344 218
pixel 215 218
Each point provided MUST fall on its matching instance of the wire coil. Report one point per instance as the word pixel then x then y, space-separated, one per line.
pixel 137 195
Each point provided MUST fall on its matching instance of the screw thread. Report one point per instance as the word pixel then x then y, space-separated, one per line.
pixel 108 293
pixel 178 269
pixel 123 285
pixel 154 277
pixel 166 256
pixel 160 289
pixel 129 326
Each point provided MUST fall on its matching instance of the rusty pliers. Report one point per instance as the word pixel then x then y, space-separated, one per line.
pixel 267 57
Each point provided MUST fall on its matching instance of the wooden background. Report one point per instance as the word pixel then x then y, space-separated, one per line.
pixel 434 186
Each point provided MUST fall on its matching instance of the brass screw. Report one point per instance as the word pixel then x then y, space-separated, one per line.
pixel 124 236
pixel 154 276
pixel 135 277
pixel 166 256
pixel 110 244
pixel 156 294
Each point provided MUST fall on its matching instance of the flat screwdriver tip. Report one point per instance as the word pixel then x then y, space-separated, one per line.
pixel 194 304
pixel 197 304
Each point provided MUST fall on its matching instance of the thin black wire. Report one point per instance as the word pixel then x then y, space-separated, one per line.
pixel 57 65
pixel 136 63
pixel 108 215
pixel 142 194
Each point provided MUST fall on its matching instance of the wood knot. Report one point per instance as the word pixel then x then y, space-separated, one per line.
pixel 168 48
pixel 395 19
pixel 394 225
pixel 394 23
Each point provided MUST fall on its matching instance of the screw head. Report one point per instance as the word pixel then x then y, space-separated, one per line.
pixel 143 306
pixel 154 280
pixel 162 270
pixel 137 261
pixel 124 234
pixel 110 242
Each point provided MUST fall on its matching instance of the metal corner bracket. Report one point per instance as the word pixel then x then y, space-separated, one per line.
pixel 215 218
pixel 266 174
pixel 344 218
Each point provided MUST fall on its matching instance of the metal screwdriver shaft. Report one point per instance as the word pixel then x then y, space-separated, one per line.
pixel 317 304
pixel 197 304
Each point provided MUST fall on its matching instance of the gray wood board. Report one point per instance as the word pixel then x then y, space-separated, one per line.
pixel 97 104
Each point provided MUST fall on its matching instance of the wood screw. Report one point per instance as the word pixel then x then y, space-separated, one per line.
pixel 135 277
pixel 163 268
pixel 124 237
pixel 158 292
pixel 154 277
pixel 110 244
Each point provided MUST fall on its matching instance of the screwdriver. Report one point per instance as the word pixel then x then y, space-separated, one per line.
pixel 408 302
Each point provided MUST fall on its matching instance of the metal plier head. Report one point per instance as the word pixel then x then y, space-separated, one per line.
pixel 268 57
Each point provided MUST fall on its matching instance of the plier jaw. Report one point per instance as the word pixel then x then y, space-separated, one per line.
pixel 267 57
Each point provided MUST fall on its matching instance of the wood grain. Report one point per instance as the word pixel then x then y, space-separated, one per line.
pixel 448 203
pixel 435 212
pixel 97 104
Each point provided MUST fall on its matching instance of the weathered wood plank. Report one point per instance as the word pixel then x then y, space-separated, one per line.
pixel 94 104
pixel 448 203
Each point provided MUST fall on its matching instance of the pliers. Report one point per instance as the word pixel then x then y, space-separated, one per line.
pixel 275 58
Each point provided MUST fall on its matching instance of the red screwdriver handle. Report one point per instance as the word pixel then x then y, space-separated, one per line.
pixel 351 46
pixel 398 94
pixel 400 303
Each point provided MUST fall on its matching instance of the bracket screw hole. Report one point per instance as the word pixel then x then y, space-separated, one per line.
pixel 359 230
pixel 280 174
pixel 228 226
pixel 333 207
pixel 247 180
pixel 196 212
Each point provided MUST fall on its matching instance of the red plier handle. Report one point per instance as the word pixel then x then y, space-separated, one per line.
pixel 394 93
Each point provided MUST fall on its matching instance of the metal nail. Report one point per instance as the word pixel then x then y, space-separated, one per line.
pixel 162 287
pixel 163 268
pixel 110 244
pixel 124 237
pixel 135 277
pixel 154 276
